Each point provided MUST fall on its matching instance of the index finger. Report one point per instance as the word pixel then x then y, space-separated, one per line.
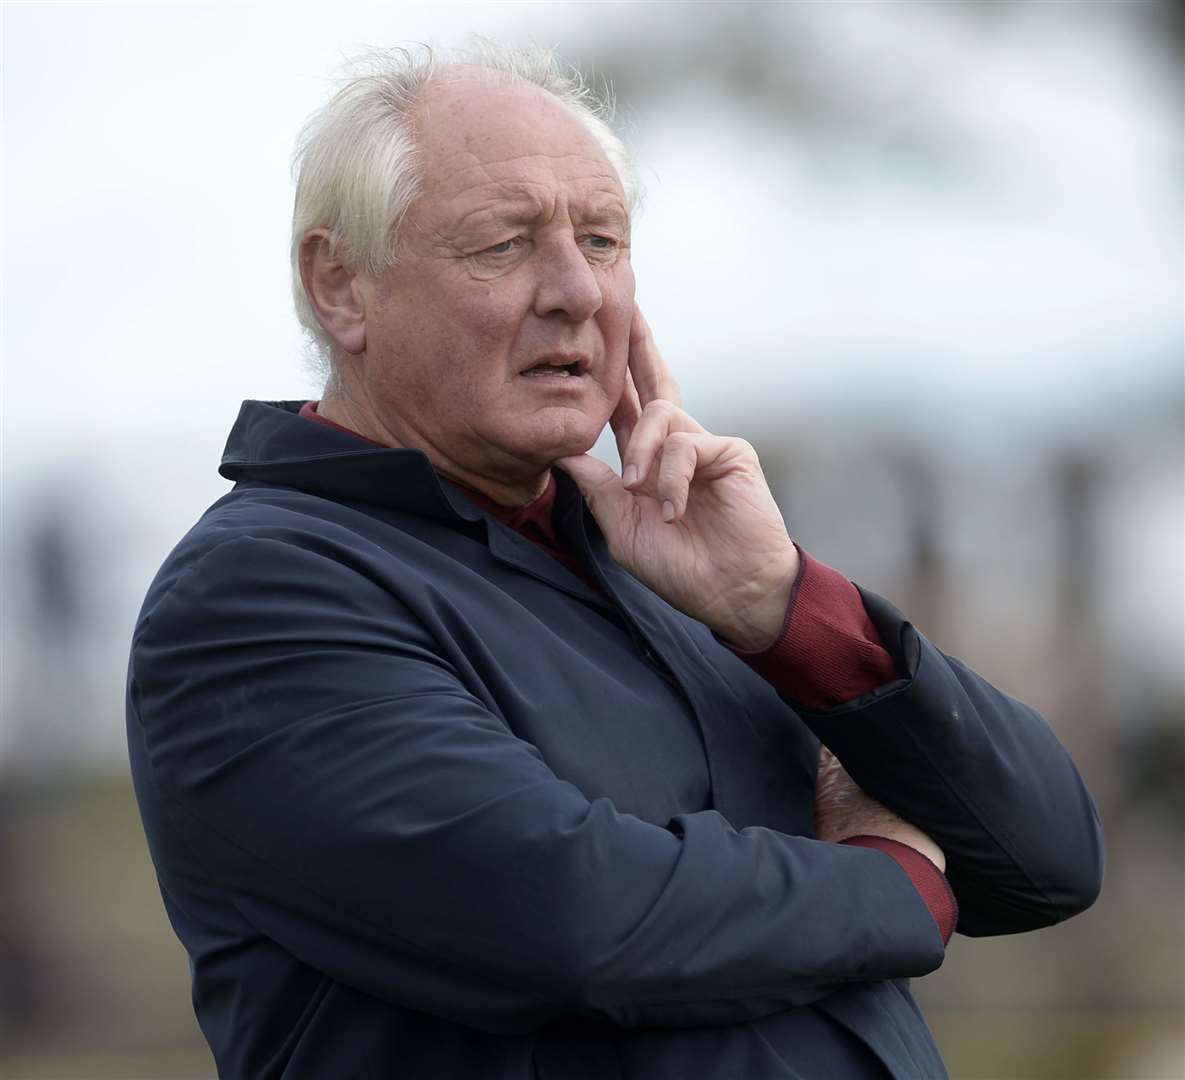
pixel 652 377
pixel 626 415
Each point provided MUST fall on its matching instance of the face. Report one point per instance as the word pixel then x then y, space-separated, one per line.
pixel 499 341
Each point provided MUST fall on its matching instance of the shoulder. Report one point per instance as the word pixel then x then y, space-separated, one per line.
pixel 268 543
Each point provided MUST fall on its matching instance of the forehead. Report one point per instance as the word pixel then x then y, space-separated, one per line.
pixel 484 141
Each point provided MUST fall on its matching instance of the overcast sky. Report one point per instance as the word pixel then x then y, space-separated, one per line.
pixel 147 201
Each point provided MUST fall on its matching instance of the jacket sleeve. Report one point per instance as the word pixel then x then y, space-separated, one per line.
pixel 981 773
pixel 362 809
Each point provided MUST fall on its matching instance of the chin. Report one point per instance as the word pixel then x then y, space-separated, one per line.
pixel 568 438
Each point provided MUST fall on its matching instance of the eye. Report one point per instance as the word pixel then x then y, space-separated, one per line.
pixel 600 248
pixel 504 247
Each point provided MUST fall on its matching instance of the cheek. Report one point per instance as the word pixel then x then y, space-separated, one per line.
pixel 468 345
pixel 494 312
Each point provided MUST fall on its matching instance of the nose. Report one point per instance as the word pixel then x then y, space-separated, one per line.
pixel 567 285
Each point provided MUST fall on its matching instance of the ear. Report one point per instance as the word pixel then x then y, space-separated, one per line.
pixel 333 291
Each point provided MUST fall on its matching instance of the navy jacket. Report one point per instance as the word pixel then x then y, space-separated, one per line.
pixel 423 804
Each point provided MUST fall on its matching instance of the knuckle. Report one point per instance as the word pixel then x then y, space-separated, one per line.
pixel 669 474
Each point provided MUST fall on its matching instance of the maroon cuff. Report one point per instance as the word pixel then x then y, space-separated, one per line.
pixel 929 881
pixel 828 652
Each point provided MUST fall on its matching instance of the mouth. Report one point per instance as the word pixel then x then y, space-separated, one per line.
pixel 559 366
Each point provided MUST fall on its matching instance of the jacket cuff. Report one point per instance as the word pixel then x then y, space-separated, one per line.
pixel 829 651
pixel 929 881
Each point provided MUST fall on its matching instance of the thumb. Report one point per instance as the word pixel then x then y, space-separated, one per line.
pixel 602 489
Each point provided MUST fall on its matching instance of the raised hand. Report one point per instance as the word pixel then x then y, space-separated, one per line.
pixel 691 516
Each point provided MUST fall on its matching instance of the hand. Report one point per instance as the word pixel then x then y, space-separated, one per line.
pixel 691 516
pixel 842 810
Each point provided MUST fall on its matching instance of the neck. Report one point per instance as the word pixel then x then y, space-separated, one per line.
pixel 350 412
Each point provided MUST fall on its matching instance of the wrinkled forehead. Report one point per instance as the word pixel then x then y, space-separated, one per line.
pixel 476 132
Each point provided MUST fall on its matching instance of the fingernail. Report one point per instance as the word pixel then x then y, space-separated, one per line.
pixel 668 511
pixel 630 476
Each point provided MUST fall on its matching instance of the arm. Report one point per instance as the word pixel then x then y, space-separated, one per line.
pixel 979 773
pixel 370 815
pixel 827 653
pixel 829 661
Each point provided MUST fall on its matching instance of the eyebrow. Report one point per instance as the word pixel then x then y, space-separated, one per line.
pixel 497 213
pixel 607 211
pixel 526 209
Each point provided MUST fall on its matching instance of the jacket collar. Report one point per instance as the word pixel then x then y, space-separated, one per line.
pixel 271 443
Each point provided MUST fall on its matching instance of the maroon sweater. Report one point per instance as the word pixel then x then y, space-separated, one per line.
pixel 828 653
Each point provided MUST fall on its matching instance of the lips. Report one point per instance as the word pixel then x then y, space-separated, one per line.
pixel 557 366
pixel 550 371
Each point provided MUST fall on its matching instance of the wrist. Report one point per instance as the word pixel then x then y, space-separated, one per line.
pixel 902 832
pixel 758 620
pixel 926 877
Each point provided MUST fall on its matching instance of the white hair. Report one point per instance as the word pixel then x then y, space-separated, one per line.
pixel 357 166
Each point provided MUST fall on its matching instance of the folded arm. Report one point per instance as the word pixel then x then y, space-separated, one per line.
pixel 978 771
pixel 975 772
pixel 368 813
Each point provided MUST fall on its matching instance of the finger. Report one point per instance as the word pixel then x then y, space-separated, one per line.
pixel 683 455
pixel 676 469
pixel 625 416
pixel 658 420
pixel 830 769
pixel 602 489
pixel 652 377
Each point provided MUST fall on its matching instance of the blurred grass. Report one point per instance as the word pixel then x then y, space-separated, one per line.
pixel 109 983
pixel 125 1065
pixel 1061 1046
pixel 106 991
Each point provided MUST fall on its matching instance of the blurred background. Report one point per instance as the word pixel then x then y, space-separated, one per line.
pixel 926 256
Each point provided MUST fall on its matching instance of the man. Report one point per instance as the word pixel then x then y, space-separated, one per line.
pixel 448 771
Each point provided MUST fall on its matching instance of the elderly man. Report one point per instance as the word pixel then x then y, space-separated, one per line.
pixel 454 764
